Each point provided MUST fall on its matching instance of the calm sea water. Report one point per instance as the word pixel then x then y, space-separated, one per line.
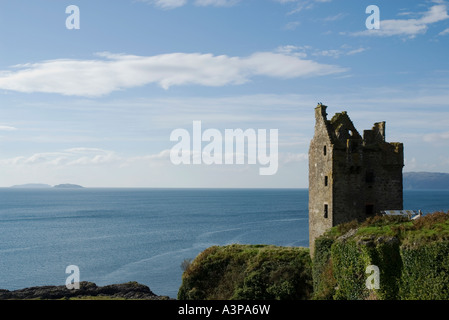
pixel 121 235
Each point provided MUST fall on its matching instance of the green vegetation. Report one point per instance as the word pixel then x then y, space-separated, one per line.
pixel 248 272
pixel 412 256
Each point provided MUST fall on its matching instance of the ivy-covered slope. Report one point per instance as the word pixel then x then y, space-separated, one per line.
pixel 412 259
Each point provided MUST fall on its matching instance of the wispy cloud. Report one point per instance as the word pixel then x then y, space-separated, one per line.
pixel 444 32
pixel 216 3
pixel 166 4
pixel 7 128
pixel 355 51
pixel 441 137
pixel 299 5
pixel 114 72
pixel 336 17
pixel 304 51
pixel 408 27
pixel 172 4
pixel 68 157
pixel 292 25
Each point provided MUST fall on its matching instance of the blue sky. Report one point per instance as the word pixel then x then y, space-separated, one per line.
pixel 96 106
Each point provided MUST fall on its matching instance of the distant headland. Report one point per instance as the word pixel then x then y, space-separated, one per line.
pixel 47 186
pixel 426 180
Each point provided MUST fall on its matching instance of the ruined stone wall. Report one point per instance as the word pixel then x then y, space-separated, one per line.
pixel 348 187
pixel 350 177
pixel 383 185
pixel 320 167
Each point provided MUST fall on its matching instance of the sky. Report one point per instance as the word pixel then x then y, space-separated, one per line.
pixel 96 104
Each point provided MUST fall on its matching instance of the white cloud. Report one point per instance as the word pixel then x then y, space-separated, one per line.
pixel 285 66
pixel 355 51
pixel 293 50
pixel 292 25
pixel 7 128
pixel 304 51
pixel 300 5
pixel 172 4
pixel 408 27
pixel 293 157
pixel 216 3
pixel 335 17
pixel 436 137
pixel 114 72
pixel 68 157
pixel 410 164
pixel 167 4
pixel 444 32
pixel 335 53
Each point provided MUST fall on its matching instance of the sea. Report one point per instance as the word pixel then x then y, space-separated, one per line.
pixel 120 235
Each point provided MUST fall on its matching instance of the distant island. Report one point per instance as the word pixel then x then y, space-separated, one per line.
pixel 425 180
pixel 47 186
pixel 68 186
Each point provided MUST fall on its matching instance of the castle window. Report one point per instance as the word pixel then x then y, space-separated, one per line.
pixel 326 211
pixel 369 209
pixel 326 181
pixel 369 177
pixel 325 150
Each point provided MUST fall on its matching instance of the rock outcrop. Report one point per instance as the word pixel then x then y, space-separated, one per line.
pixel 87 290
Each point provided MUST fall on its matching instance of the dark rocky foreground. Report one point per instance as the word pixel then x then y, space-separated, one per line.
pixel 87 290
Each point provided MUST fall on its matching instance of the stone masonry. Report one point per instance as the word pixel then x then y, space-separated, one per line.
pixel 350 177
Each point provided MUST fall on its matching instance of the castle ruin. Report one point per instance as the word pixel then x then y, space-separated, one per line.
pixel 350 177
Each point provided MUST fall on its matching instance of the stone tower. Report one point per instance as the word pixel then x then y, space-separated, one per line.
pixel 350 177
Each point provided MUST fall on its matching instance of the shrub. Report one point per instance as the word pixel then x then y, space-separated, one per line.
pixel 185 264
pixel 248 272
